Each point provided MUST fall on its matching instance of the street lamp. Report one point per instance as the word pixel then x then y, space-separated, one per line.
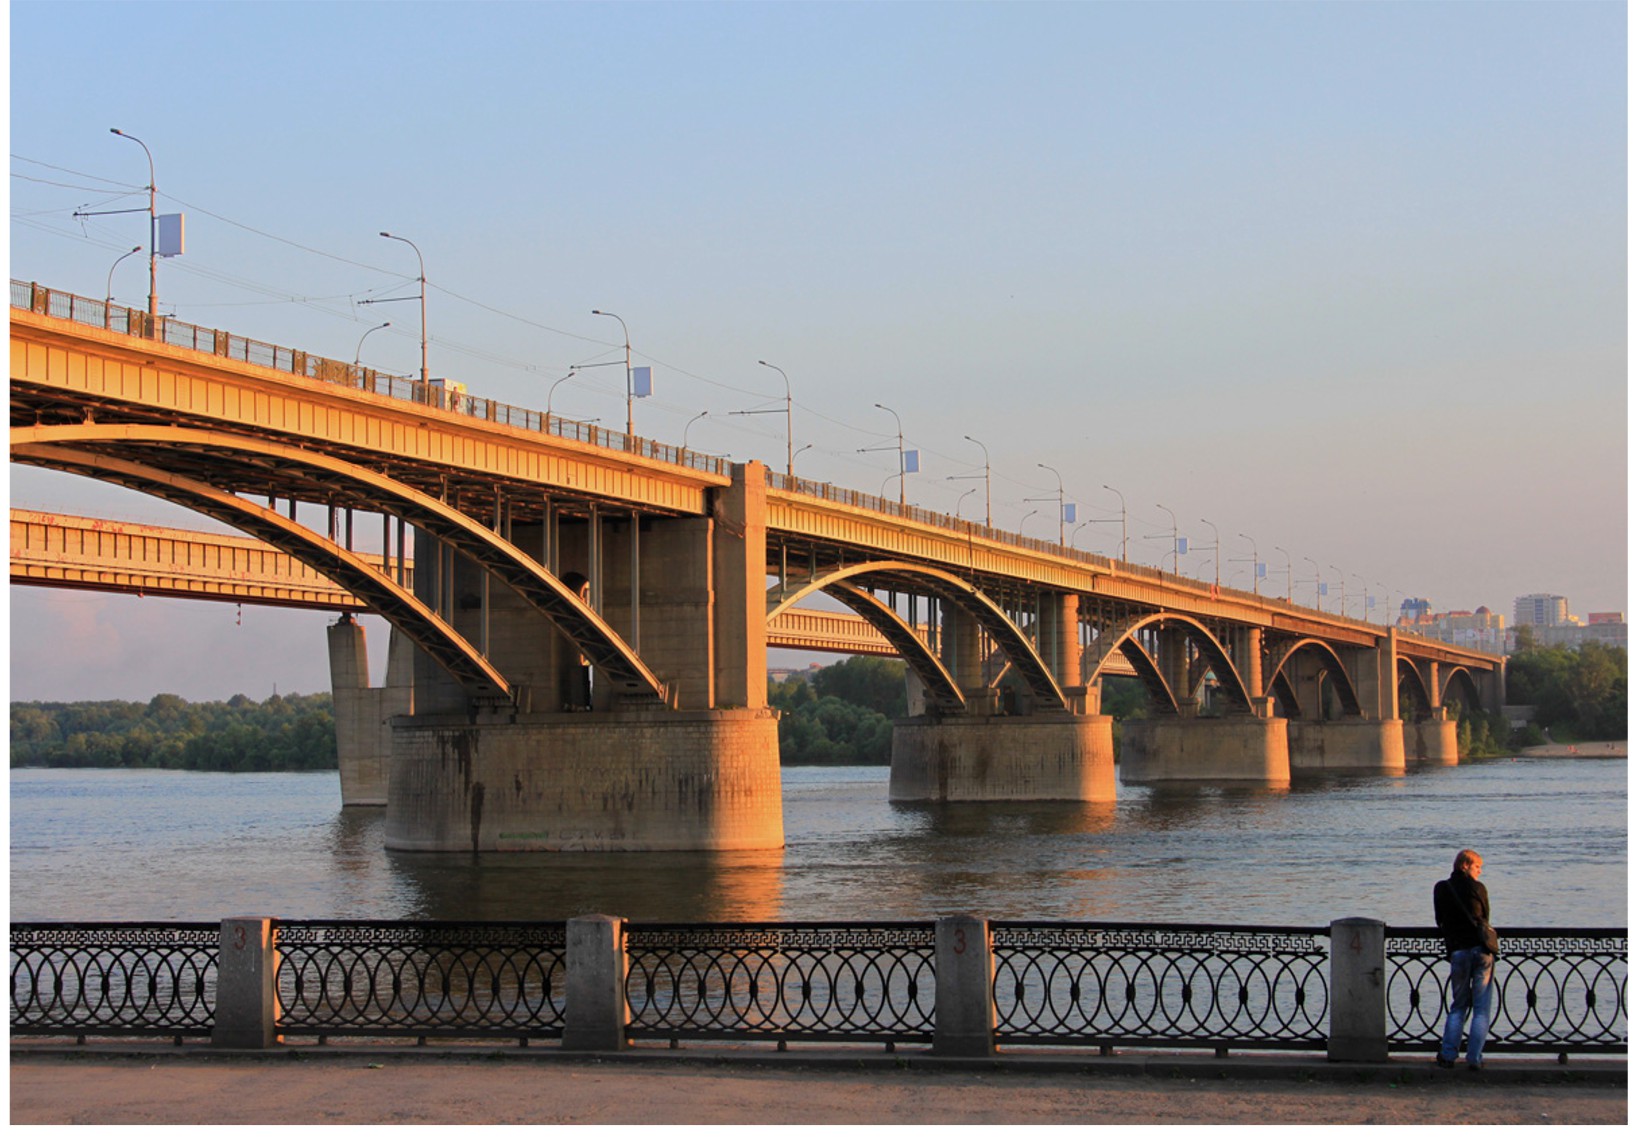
pixel 789 433
pixel 1255 566
pixel 1343 575
pixel 1025 520
pixel 1289 592
pixel 629 432
pixel 153 226
pixel 1216 549
pixel 108 303
pixel 1059 476
pixel 1117 492
pixel 358 353
pixel 552 392
pixel 689 425
pixel 799 451
pixel 1316 583
pixel 962 500
pixel 988 519
pixel 1174 552
pixel 421 262
pixel 900 425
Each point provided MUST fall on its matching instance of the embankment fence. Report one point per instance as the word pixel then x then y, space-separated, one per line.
pixel 1354 989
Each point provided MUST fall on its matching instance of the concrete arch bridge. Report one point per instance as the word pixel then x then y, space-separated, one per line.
pixel 590 612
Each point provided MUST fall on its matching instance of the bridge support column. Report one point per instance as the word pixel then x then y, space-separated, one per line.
pixel 1347 746
pixel 1432 741
pixel 626 781
pixel 363 730
pixel 1038 757
pixel 1236 748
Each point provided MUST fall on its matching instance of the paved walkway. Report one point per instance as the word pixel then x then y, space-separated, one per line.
pixel 64 1084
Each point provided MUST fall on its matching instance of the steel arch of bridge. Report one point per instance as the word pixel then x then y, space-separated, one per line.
pixel 1278 682
pixel 102 452
pixel 1123 638
pixel 941 687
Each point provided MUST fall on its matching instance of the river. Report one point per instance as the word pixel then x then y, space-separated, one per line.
pixel 107 845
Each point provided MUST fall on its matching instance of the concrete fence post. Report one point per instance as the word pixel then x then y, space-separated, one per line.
pixel 964 1013
pixel 247 1003
pixel 1358 990
pixel 596 1013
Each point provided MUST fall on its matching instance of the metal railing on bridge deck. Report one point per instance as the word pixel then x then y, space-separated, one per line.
pixel 184 335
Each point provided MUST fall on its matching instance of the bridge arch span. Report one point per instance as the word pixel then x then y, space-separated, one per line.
pixel 844 584
pixel 145 457
pixel 1280 683
pixel 1123 638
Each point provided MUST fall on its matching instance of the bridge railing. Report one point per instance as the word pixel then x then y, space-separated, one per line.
pixel 104 314
pixel 1055 984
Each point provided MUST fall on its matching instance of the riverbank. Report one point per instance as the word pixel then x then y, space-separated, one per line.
pixel 1575 750
pixel 163 1085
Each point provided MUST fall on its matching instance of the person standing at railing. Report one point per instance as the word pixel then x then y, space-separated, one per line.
pixel 1461 908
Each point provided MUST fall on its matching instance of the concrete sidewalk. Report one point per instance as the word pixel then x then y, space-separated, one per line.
pixel 64 1083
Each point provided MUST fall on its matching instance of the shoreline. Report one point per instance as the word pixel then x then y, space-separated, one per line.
pixel 1571 750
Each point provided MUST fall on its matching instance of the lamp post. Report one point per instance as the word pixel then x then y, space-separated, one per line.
pixel 1216 549
pixel 552 392
pixel 1174 552
pixel 1025 520
pixel 1343 575
pixel 962 500
pixel 1316 584
pixel 988 518
pixel 421 262
pixel 789 432
pixel 1059 476
pixel 1255 564
pixel 689 425
pixel 629 430
pixel 1288 585
pixel 358 353
pixel 108 302
pixel 153 225
pixel 1117 492
pixel 899 422
pixel 799 451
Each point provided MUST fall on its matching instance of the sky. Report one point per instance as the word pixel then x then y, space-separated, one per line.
pixel 1343 285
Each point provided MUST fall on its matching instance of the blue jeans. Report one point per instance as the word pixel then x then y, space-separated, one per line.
pixel 1471 982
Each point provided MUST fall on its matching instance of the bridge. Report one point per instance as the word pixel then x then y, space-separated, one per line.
pixel 588 630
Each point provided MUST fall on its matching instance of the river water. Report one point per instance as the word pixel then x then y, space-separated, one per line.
pixel 106 845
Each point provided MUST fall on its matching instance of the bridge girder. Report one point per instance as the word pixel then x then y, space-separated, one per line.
pixel 842 583
pixel 100 451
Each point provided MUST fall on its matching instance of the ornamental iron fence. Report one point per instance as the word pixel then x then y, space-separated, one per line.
pixel 1556 990
pixel 792 981
pixel 114 979
pixel 1213 986
pixel 421 978
pixel 1559 991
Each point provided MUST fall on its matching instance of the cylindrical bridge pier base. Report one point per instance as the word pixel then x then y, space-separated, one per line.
pixel 1037 757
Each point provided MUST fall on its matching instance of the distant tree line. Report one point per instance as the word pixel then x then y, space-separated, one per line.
pixel 843 716
pixel 286 732
pixel 1577 694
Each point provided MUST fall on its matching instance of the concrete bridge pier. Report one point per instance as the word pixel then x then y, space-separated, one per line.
pixel 1063 755
pixel 696 769
pixel 363 714
pixel 1233 748
pixel 1431 740
pixel 1347 746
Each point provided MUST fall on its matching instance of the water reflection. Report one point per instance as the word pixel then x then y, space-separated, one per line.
pixel 546 886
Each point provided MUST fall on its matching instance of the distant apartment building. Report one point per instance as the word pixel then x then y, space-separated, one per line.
pixel 1480 630
pixel 1551 625
pixel 1537 611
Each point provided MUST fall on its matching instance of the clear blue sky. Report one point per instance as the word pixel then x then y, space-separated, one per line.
pixel 1349 279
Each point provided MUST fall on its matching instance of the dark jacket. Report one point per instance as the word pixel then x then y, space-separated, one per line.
pixel 1454 905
